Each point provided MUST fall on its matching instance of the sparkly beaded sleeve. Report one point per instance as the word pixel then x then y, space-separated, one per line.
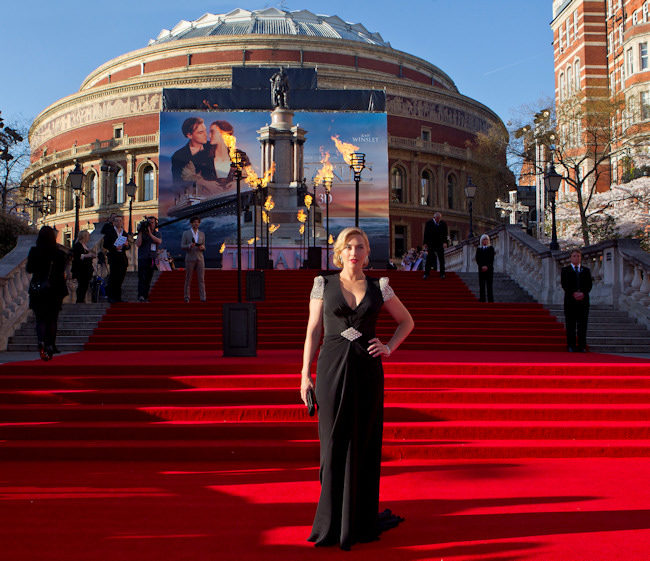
pixel 386 290
pixel 317 290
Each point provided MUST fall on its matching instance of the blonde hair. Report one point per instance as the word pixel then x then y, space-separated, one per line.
pixel 484 236
pixel 342 239
pixel 82 234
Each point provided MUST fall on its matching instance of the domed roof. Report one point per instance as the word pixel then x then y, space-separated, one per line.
pixel 270 21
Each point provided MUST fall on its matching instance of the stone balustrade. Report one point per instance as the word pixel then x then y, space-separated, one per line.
pixel 620 269
pixel 14 284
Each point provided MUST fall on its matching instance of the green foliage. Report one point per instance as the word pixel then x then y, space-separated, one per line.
pixel 11 227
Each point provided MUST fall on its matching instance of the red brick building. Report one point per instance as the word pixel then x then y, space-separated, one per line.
pixel 601 51
pixel 111 124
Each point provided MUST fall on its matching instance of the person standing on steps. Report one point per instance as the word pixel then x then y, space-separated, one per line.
pixel 116 242
pixel 485 261
pixel 148 241
pixel 576 283
pixel 82 264
pixel 193 243
pixel 436 237
pixel 350 392
pixel 47 288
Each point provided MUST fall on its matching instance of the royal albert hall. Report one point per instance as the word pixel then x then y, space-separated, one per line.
pixel 111 125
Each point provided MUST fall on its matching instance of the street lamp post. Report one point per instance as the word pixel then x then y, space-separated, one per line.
pixel 131 188
pixel 327 183
pixel 237 164
pixel 357 163
pixel 76 182
pixel 552 180
pixel 470 193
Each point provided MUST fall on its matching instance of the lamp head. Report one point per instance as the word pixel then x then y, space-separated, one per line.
pixel 470 189
pixel 76 179
pixel 552 179
pixel 357 162
pixel 131 188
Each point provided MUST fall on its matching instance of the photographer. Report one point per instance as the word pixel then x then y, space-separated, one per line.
pixel 148 241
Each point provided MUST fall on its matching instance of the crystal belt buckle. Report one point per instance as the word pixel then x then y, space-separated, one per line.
pixel 351 334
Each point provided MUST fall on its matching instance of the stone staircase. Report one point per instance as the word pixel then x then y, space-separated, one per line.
pixel 76 324
pixel 609 331
pixel 76 321
pixel 505 289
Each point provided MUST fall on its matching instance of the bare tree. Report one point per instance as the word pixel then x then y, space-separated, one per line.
pixel 14 158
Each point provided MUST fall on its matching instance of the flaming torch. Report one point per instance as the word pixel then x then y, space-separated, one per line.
pixel 357 162
pixel 259 185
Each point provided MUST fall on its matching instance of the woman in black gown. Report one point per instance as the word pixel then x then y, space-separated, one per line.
pixel 350 392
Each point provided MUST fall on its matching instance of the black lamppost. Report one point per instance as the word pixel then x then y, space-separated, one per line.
pixel 470 193
pixel 552 180
pixel 357 163
pixel 314 203
pixel 131 188
pixel 76 182
pixel 237 164
pixel 327 183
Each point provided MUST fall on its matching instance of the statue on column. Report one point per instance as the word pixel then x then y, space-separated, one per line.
pixel 280 89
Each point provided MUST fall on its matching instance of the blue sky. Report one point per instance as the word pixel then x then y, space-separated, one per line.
pixel 497 51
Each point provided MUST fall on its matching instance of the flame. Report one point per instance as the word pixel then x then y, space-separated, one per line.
pixel 330 240
pixel 222 248
pixel 325 172
pixel 273 228
pixel 254 181
pixel 231 142
pixel 302 217
pixel 269 205
pixel 345 148
pixel 302 229
pixel 308 200
pixel 265 217
pixel 252 241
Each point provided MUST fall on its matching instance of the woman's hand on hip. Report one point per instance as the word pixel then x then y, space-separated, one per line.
pixel 377 348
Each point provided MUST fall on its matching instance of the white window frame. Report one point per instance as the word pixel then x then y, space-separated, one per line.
pixel 643 59
pixel 576 66
pixel 629 56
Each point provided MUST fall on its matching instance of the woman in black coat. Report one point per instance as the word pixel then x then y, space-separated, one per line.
pixel 47 289
pixel 82 265
pixel 485 262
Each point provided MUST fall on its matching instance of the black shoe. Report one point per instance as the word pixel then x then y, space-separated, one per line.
pixel 442 276
pixel 425 276
pixel 570 350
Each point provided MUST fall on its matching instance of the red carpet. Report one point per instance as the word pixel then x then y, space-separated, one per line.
pixel 537 510
pixel 496 445
pixel 447 316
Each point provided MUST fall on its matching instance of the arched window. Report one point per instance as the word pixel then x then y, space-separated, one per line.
pixel 398 184
pixel 68 196
pixel 148 184
pixel 576 70
pixel 451 190
pixel 425 189
pixel 562 92
pixel 119 186
pixel 53 193
pixel 91 189
pixel 569 79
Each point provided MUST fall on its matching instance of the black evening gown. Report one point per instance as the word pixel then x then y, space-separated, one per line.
pixel 350 396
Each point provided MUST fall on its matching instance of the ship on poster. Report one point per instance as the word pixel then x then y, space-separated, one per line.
pixel 196 178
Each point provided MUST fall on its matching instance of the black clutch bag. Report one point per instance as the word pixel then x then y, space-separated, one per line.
pixel 311 403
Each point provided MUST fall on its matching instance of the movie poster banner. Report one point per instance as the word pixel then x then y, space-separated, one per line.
pixel 288 155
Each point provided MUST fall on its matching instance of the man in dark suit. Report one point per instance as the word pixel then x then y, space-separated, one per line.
pixel 117 244
pixel 436 237
pixel 576 283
